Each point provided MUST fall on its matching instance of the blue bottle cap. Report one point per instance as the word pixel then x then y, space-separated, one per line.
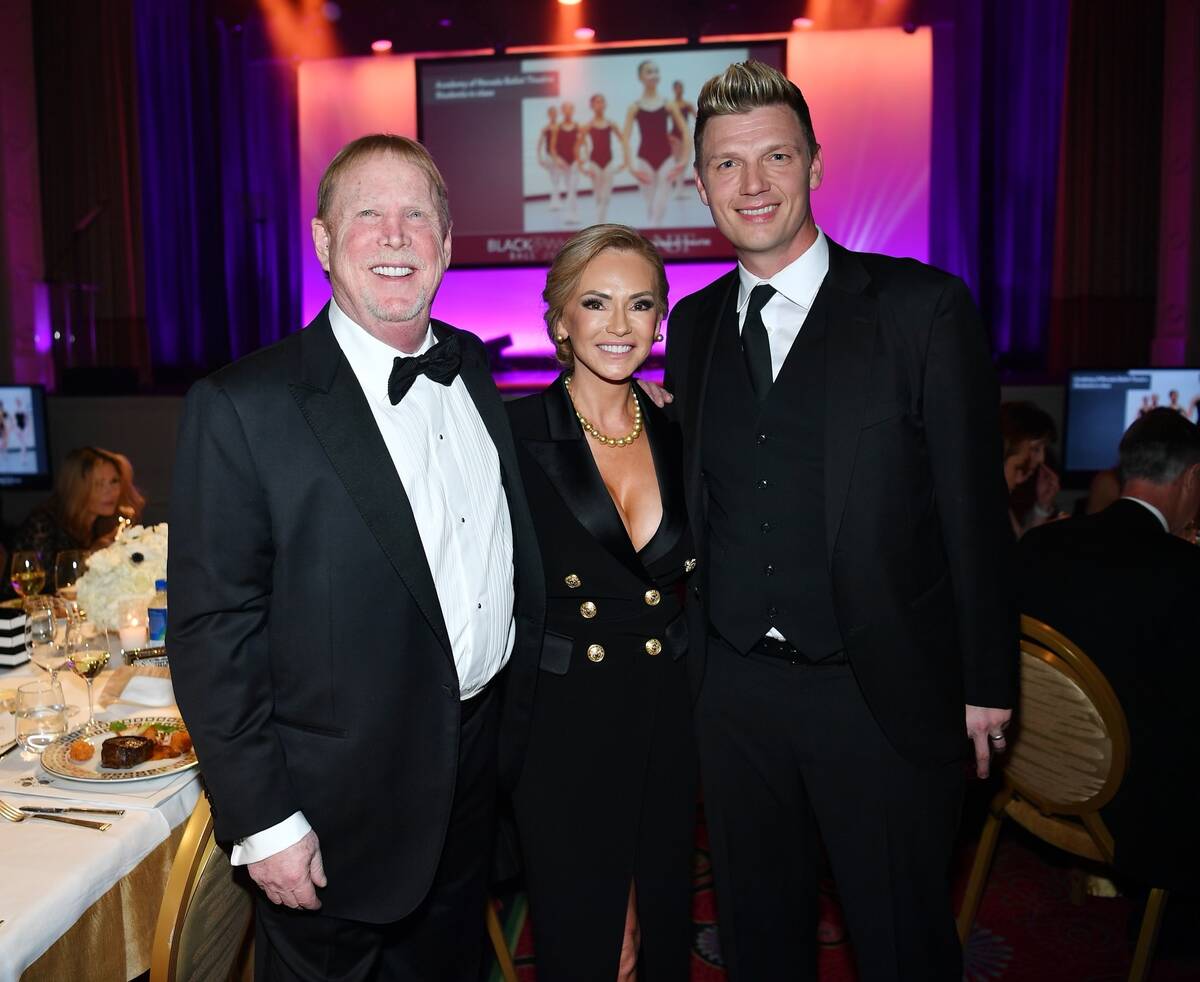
pixel 160 585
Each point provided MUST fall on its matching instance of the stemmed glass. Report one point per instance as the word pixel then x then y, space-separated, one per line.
pixel 87 654
pixel 42 638
pixel 28 574
pixel 68 567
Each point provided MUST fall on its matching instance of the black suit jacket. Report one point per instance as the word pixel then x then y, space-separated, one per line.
pixel 1124 590
pixel 308 648
pixel 918 538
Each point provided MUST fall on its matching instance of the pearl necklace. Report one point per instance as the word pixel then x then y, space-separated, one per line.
pixel 608 441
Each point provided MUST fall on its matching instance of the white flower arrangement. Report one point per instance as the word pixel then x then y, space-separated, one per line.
pixel 124 570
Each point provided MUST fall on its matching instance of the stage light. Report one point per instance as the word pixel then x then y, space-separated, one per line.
pixel 382 46
pixel 445 22
pixel 584 34
pixel 570 3
pixel 802 23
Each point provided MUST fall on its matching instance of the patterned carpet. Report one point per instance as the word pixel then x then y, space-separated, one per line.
pixel 1029 929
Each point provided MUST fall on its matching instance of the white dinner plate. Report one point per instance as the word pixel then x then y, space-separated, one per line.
pixel 57 760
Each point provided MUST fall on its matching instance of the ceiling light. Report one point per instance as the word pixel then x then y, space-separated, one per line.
pixel 382 46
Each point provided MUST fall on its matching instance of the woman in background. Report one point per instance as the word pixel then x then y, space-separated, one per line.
pixel 94 493
pixel 545 156
pixel 682 141
pixel 605 804
pixel 565 149
pixel 657 163
pixel 1032 485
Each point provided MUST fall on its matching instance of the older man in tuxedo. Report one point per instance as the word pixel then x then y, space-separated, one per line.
pixel 845 490
pixel 352 565
pixel 1123 584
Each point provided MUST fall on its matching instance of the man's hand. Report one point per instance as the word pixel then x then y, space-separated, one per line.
pixel 986 728
pixel 658 395
pixel 291 876
pixel 1047 488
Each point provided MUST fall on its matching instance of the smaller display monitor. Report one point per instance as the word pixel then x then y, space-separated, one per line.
pixel 1102 404
pixel 24 438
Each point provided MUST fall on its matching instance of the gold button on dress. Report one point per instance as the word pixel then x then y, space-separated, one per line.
pixel 653 646
pixel 595 652
pixel 587 609
pixel 573 581
pixel 652 598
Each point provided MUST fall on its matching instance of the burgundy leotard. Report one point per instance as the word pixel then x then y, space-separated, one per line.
pixel 565 148
pixel 652 125
pixel 686 113
pixel 601 145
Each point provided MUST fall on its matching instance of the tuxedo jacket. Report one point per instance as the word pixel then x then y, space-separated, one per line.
pixel 308 648
pixel 917 534
pixel 1124 590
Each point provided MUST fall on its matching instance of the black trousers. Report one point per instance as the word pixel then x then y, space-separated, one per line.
pixel 790 751
pixel 443 940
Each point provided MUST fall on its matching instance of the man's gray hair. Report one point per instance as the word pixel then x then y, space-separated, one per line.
pixel 1159 447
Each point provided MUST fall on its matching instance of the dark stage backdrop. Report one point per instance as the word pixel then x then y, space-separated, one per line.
pixel 218 138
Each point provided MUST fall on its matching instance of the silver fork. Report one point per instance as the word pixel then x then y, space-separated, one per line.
pixel 8 812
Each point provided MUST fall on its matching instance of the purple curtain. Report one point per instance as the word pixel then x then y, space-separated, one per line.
pixel 219 186
pixel 998 98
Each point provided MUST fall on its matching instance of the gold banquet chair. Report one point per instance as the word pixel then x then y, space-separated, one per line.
pixel 1067 759
pixel 205 915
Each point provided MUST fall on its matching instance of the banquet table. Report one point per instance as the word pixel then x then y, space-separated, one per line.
pixel 77 903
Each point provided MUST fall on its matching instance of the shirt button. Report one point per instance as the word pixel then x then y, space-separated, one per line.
pixel 765 527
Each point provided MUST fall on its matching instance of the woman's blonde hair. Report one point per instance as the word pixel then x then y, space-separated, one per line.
pixel 562 279
pixel 73 488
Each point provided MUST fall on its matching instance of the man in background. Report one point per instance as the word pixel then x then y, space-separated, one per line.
pixel 1123 584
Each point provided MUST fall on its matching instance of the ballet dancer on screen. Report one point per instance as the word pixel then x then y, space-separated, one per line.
pixel 656 164
pixel 20 416
pixel 597 156
pixel 3 427
pixel 546 158
pixel 566 155
pixel 681 143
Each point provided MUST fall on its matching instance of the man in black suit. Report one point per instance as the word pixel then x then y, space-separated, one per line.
pixel 352 564
pixel 1123 585
pixel 845 487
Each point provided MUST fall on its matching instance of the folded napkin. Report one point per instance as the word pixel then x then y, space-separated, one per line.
pixel 139 685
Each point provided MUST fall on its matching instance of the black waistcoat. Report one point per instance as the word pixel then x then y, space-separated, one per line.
pixel 764 470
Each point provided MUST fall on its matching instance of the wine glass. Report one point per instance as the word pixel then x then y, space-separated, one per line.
pixel 87 654
pixel 28 574
pixel 68 567
pixel 43 640
pixel 40 716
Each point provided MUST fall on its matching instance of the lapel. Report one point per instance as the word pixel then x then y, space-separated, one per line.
pixel 570 467
pixel 851 324
pixel 719 305
pixel 668 465
pixel 332 402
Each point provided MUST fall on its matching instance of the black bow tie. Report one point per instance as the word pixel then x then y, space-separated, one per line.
pixel 440 363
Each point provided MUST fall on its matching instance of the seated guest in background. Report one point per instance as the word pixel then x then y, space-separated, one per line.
pixel 93 494
pixel 1124 589
pixel 605 803
pixel 1032 485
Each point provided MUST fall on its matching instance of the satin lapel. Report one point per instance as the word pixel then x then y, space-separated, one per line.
pixel 333 403
pixel 851 323
pixel 668 465
pixel 568 465
pixel 708 322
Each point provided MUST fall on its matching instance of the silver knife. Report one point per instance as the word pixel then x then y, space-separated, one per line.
pixel 45 810
pixel 98 826
pixel 7 747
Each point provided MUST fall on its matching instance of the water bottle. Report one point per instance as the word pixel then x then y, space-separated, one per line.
pixel 156 615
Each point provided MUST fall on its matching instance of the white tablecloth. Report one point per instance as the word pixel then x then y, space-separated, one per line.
pixel 52 873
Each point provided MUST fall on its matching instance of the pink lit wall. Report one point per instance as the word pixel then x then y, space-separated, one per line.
pixel 870 93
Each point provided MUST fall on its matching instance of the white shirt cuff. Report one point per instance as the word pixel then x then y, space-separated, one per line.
pixel 266 843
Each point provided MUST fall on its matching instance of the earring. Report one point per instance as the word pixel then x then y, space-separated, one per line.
pixel 658 337
pixel 562 339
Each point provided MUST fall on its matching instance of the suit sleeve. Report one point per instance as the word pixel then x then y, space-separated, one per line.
pixel 219 568
pixel 961 411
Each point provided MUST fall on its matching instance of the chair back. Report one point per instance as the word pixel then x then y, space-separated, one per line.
pixel 205 913
pixel 1070 750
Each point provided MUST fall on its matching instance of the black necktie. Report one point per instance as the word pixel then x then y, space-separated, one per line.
pixel 755 345
pixel 440 363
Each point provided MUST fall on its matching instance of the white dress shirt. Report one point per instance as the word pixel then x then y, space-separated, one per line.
pixel 1150 508
pixel 451 474
pixel 784 314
